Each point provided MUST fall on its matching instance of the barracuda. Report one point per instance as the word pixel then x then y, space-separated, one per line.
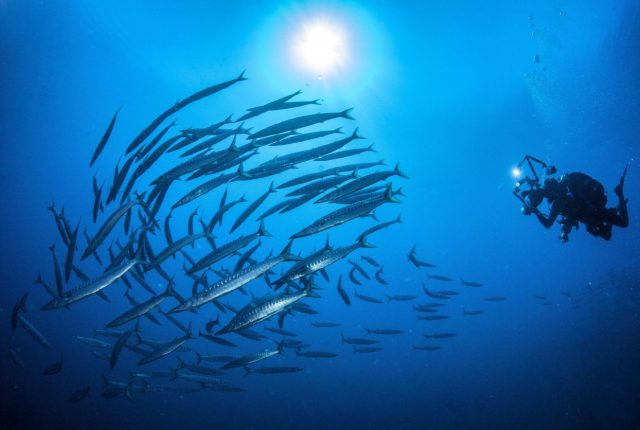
pixel 253 315
pixel 235 281
pixel 319 262
pixel 94 286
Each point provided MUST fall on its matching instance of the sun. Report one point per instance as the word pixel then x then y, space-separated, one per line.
pixel 321 47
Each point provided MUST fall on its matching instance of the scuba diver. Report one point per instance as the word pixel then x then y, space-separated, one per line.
pixel 575 198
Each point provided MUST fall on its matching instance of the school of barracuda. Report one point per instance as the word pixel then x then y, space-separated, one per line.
pixel 132 239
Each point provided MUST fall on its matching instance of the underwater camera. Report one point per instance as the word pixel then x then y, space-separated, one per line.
pixel 526 184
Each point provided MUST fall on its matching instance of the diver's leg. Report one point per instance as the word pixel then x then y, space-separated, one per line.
pixel 605 231
pixel 565 230
pixel 621 219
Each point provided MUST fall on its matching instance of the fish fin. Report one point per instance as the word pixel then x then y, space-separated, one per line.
pixel 241 172
pixel 286 254
pixel 388 195
pixel 355 135
pixel 399 172
pixel 347 113
pixel 103 296
pixel 362 241
pixel 325 275
pixel 241 76
pixel 262 231
pixel 281 318
pixel 180 363
pixel 327 245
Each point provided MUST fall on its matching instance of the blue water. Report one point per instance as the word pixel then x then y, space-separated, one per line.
pixel 457 93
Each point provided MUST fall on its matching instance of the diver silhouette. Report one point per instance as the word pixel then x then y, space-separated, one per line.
pixel 575 198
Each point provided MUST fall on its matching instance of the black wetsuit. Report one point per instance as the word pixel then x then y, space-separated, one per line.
pixel 577 198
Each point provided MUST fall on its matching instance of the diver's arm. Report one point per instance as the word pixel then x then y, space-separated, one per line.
pixel 547 222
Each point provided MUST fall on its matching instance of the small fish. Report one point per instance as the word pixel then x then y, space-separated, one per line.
pixel 253 358
pixel 425 347
pixel 252 208
pixel 54 368
pixel 368 298
pixel 433 317
pixel 273 370
pixel 280 331
pixel 434 294
pixel 197 368
pixel 80 394
pixel 371 261
pixel 151 374
pixel 300 122
pixel 440 335
pixel 56 270
pixel 346 153
pixel 379 277
pixel 366 349
pixel 215 358
pixel 471 313
pixel 440 278
pixel 33 331
pixel 21 305
pixel 400 298
pixel 380 226
pixel 92 341
pixel 359 269
pixel 352 277
pixel 471 283
pixel 384 331
pixel 358 341
pixel 325 324
pixel 100 355
pixel 166 348
pixel 414 260
pixel 428 306
pixel 104 140
pixel 15 357
pixel 117 347
pixel 425 309
pixel 495 299
pixel 73 240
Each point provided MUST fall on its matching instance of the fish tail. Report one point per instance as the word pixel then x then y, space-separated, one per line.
pixel 347 113
pixel 399 172
pixel 362 242
pixel 262 231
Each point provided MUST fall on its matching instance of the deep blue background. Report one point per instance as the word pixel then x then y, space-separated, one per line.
pixel 453 93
